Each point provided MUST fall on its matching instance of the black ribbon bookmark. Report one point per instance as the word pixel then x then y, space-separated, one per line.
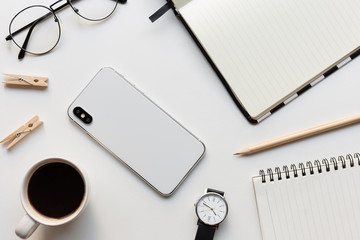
pixel 161 11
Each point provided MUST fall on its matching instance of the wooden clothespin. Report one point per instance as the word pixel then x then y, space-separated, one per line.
pixel 22 132
pixel 23 80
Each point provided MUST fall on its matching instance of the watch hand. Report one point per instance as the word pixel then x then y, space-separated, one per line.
pixel 208 206
pixel 212 209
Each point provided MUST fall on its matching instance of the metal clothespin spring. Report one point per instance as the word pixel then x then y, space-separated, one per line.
pixel 19 133
pixel 24 80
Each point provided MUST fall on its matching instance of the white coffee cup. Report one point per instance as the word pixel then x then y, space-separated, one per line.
pixel 57 200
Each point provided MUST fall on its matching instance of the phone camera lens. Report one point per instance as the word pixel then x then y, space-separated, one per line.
pixel 77 111
pixel 88 120
pixel 82 115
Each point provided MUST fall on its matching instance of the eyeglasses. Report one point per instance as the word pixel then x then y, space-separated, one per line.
pixel 45 35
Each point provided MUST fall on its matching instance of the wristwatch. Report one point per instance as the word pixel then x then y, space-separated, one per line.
pixel 211 210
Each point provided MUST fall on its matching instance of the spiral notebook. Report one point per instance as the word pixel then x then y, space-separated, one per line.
pixel 268 52
pixel 313 200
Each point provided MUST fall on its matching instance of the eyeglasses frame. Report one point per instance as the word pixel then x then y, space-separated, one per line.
pixel 52 11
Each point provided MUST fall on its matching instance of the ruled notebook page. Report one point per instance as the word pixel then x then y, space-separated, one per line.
pixel 320 206
pixel 267 50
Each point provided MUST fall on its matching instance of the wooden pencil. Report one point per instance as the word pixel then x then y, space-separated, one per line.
pixel 299 135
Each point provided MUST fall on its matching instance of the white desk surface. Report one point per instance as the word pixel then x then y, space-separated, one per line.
pixel 163 61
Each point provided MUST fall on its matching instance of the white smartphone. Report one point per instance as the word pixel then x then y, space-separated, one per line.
pixel 136 131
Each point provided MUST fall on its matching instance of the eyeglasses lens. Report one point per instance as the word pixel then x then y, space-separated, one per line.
pixel 42 33
pixel 94 10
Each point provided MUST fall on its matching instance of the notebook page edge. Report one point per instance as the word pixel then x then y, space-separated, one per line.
pixel 258 114
pixel 180 3
pixel 263 212
pixel 339 64
pixel 257 206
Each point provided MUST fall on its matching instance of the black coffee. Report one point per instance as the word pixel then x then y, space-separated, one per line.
pixel 56 190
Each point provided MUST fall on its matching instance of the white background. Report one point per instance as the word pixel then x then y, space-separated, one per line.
pixel 162 60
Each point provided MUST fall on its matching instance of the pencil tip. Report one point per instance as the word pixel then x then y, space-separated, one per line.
pixel 243 152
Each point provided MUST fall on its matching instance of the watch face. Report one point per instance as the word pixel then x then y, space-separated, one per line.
pixel 211 208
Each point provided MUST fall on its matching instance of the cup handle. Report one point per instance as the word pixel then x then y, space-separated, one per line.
pixel 26 227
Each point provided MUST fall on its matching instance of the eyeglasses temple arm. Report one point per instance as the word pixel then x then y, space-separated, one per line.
pixel 26 41
pixel 24 46
pixel 9 37
pixel 27 26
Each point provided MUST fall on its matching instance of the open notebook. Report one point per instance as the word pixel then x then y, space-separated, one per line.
pixel 310 201
pixel 267 52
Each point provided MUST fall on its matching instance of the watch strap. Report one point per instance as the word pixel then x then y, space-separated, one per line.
pixel 205 232
pixel 215 191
